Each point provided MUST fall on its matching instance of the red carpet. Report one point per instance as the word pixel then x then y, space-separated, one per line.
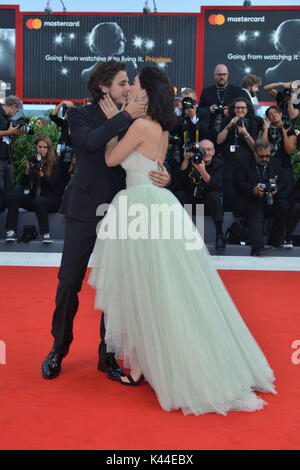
pixel 82 409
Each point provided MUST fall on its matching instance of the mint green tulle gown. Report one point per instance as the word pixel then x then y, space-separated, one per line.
pixel 166 309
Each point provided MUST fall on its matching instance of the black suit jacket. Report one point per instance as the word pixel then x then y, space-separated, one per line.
pixel 209 96
pixel 247 177
pixel 93 182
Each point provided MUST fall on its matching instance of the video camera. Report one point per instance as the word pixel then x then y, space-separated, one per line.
pixel 197 152
pixel 23 124
pixel 219 110
pixel 268 187
pixel 36 163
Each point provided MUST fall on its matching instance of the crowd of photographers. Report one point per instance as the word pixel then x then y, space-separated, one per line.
pixel 46 172
pixel 224 155
pixel 221 154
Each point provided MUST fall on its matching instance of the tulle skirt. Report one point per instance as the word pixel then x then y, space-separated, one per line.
pixel 168 313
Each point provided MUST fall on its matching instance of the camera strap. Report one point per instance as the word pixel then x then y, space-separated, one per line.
pixel 220 95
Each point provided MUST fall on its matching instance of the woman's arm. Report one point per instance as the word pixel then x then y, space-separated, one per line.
pixel 293 112
pixel 116 151
pixel 289 141
pixel 222 136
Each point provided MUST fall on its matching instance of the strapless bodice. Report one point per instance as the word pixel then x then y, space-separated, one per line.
pixel 137 168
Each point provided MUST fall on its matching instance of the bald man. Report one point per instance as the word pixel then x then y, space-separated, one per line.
pixel 219 94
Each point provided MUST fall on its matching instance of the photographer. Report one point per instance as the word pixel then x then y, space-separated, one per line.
pixel 41 189
pixel 192 125
pixel 282 136
pixel 260 184
pixel 64 147
pixel 216 98
pixel 8 133
pixel 284 98
pixel 200 182
pixel 240 130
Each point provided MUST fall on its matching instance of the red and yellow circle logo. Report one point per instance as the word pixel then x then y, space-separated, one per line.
pixel 216 20
pixel 34 23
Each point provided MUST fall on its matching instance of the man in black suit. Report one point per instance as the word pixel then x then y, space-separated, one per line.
pixel 259 198
pixel 92 185
pixel 219 95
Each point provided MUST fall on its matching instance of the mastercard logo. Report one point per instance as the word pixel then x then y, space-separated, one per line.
pixel 216 20
pixel 34 23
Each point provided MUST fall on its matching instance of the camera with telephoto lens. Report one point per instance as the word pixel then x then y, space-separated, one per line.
pixel 268 187
pixel 23 124
pixel 187 103
pixel 286 92
pixel 36 164
pixel 197 152
pixel 219 110
pixel 66 152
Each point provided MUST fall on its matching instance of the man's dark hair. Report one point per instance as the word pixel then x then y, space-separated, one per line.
pixel 273 107
pixel 103 74
pixel 250 80
pixel 261 144
pixel 160 94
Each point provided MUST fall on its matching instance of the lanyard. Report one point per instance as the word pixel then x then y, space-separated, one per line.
pixel 261 180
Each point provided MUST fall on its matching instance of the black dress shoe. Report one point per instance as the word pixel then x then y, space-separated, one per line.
pixel 111 367
pixel 220 243
pixel 51 366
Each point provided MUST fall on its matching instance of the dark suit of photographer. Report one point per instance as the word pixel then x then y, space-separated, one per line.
pixel 201 183
pixel 252 173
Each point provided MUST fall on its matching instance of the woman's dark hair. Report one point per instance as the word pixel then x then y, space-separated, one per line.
pixel 160 94
pixel 273 107
pixel 250 108
pixel 103 74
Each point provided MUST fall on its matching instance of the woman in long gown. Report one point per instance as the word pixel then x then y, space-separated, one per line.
pixel 167 312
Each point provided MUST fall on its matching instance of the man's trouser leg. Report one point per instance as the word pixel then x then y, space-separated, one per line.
pixel 255 222
pixel 79 242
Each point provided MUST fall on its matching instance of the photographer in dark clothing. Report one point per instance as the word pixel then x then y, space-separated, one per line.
pixel 284 99
pixel 283 138
pixel 218 97
pixel 260 184
pixel 8 133
pixel 238 133
pixel 199 181
pixel 62 123
pixel 192 125
pixel 41 189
